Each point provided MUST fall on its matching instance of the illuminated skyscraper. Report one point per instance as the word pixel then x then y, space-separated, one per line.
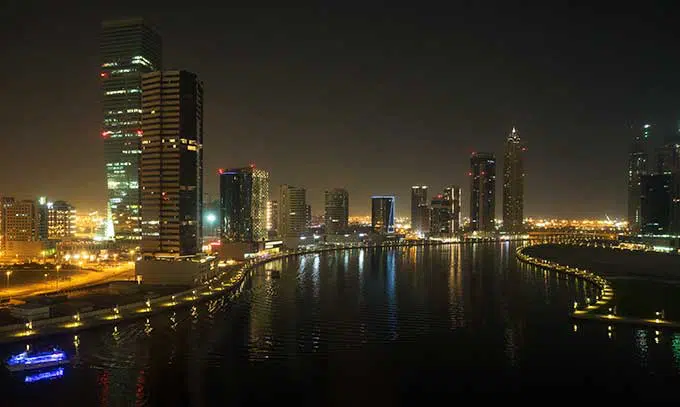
pixel 292 211
pixel 336 217
pixel 637 167
pixel 61 220
pixel 483 192
pixel 382 214
pixel 655 200
pixel 513 184
pixel 441 216
pixel 273 218
pixel 244 193
pixel 129 48
pixel 454 195
pixel 172 164
pixel 418 213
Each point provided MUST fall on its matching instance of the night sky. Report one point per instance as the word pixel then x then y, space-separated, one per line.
pixel 374 100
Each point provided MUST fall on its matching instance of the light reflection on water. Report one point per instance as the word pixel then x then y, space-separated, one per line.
pixel 448 318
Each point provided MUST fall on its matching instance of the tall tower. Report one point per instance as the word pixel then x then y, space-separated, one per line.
pixel 513 183
pixel 336 216
pixel 244 193
pixel 292 211
pixel 172 163
pixel 418 208
pixel 637 167
pixel 454 195
pixel 129 48
pixel 382 214
pixel 482 192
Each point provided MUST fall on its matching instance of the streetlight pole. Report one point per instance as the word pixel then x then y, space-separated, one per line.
pixel 58 267
pixel 8 273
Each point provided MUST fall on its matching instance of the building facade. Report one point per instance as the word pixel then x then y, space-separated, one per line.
pixel 244 193
pixel 382 214
pixel 273 218
pixel 655 200
pixel 482 192
pixel 419 200
pixel 172 163
pixel 292 211
pixel 637 168
pixel 513 184
pixel 336 214
pixel 441 216
pixel 454 194
pixel 61 220
pixel 129 48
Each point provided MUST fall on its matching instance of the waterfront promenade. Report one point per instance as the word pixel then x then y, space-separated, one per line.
pixel 599 309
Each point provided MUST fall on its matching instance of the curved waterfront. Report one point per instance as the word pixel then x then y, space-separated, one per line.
pixel 344 328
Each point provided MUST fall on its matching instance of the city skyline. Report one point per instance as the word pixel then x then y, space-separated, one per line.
pixel 249 112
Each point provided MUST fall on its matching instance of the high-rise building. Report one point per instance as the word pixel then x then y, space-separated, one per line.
pixel 441 216
pixel 483 192
pixel 336 215
pixel 43 218
pixel 244 193
pixel 308 216
pixel 129 48
pixel 292 211
pixel 382 214
pixel 513 184
pixel 655 202
pixel 172 163
pixel 637 167
pixel 61 220
pixel 273 217
pixel 454 195
pixel 418 199
pixel 19 221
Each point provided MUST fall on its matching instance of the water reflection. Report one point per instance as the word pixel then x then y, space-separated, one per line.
pixel 392 293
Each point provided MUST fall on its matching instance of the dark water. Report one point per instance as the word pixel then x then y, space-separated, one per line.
pixel 367 327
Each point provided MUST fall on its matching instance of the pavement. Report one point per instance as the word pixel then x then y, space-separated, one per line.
pixel 124 271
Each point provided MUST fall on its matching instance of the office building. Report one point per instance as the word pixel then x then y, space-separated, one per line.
pixel 655 200
pixel 637 167
pixel 513 184
pixel 419 224
pixel 336 215
pixel 454 195
pixel 273 217
pixel 482 192
pixel 129 48
pixel 292 211
pixel 61 220
pixel 43 218
pixel 382 214
pixel 244 193
pixel 308 217
pixel 19 229
pixel 172 164
pixel 441 216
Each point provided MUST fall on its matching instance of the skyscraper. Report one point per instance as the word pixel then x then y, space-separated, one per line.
pixel 172 163
pixel 129 48
pixel 482 192
pixel 273 218
pixel 637 167
pixel 292 211
pixel 244 193
pixel 655 202
pixel 382 214
pixel 418 199
pixel 441 216
pixel 454 195
pixel 336 216
pixel 513 183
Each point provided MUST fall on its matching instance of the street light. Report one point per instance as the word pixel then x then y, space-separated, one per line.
pixel 8 273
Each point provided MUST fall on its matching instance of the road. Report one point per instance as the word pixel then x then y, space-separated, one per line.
pixel 124 271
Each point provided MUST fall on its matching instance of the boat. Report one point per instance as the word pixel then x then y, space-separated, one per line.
pixel 36 360
pixel 45 375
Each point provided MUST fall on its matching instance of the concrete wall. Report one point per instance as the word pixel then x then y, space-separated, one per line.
pixel 168 272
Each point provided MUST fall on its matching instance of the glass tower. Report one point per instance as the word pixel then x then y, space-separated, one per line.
pixel 637 168
pixel 482 192
pixel 336 210
pixel 513 184
pixel 244 194
pixel 129 48
pixel 382 214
